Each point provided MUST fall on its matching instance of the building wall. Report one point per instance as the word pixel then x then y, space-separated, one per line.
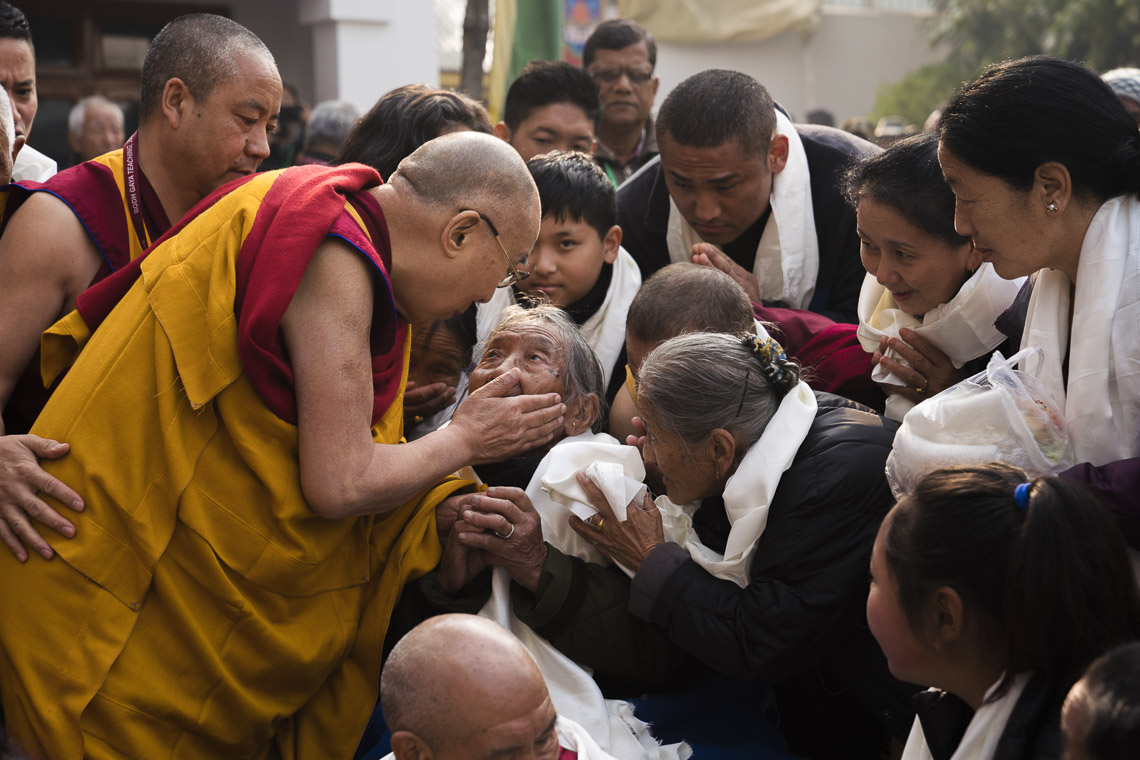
pixel 839 67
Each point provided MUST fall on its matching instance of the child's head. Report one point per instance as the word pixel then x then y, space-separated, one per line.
pixel 550 106
pixel 442 350
pixel 1101 717
pixel 978 565
pixel 579 233
pixel 683 298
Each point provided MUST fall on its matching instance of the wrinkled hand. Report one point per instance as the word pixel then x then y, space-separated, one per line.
pixel 460 563
pixel 421 403
pixel 709 256
pixel 448 511
pixel 498 423
pixel 510 533
pixel 21 480
pixel 930 370
pixel 627 543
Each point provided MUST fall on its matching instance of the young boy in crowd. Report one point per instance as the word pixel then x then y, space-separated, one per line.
pixel 578 263
pixel 550 106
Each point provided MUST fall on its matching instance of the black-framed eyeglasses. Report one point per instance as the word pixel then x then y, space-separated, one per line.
pixel 514 276
pixel 608 76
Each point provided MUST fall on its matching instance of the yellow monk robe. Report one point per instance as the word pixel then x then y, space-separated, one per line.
pixel 202 609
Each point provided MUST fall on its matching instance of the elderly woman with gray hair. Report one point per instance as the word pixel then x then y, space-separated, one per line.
pixel 754 561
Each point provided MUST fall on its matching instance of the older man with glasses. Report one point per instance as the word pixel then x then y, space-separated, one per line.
pixel 621 56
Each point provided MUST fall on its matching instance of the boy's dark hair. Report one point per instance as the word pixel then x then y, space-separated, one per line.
pixel 572 186
pixel 907 178
pixel 685 297
pixel 544 83
pixel 1112 705
pixel 1020 114
pixel 14 24
pixel 716 107
pixel 403 120
pixel 617 34
pixel 1054 580
pixel 197 48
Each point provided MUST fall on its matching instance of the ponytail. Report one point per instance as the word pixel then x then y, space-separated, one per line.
pixel 1042 563
pixel 699 382
pixel 1070 593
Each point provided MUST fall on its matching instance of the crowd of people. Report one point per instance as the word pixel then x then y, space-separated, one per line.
pixel 566 436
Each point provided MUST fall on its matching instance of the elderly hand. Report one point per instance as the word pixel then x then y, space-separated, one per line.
pixel 709 256
pixel 510 533
pixel 930 371
pixel 21 480
pixel 448 511
pixel 421 403
pixel 498 425
pixel 460 563
pixel 627 543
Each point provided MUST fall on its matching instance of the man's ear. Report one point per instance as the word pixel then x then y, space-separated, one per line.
pixel 945 618
pixel 581 414
pixel 722 451
pixel 408 746
pixel 611 243
pixel 778 153
pixel 1053 184
pixel 176 101
pixel 502 131
pixel 457 233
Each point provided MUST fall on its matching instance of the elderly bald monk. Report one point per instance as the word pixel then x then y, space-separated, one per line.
pixel 227 591
pixel 210 93
pixel 463 687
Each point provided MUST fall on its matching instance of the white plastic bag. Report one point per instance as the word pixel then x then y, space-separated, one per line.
pixel 999 415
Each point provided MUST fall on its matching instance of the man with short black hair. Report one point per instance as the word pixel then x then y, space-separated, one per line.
pixel 210 95
pixel 621 57
pixel 551 105
pixel 739 187
pixel 18 77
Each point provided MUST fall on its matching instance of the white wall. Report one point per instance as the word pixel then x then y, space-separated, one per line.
pixel 839 67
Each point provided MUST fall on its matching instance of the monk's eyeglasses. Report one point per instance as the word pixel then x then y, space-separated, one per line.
pixel 514 276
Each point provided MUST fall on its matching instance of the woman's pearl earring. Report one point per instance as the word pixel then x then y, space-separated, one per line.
pixel 1051 207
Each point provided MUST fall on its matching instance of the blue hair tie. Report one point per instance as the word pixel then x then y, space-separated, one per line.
pixel 1021 496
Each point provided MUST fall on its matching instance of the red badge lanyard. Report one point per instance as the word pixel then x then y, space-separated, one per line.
pixel 134 190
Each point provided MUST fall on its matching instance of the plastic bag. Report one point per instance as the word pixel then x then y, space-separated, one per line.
pixel 999 415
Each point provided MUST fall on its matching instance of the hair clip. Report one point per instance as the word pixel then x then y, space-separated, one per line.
pixel 1021 496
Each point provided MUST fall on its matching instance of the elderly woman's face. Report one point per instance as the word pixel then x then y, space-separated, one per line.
pixel 1006 225
pixel 535 351
pixel 685 473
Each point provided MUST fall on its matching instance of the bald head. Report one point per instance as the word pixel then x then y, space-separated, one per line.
pixel 198 48
pixel 468 170
pixel 454 677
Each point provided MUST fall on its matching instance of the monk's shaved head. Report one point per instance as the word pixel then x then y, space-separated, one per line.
pixel 199 49
pixel 453 676
pixel 469 170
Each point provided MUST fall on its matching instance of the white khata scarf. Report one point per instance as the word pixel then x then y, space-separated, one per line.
pixel 604 331
pixel 1102 400
pixel 787 259
pixel 962 328
pixel 982 735
pixel 555 493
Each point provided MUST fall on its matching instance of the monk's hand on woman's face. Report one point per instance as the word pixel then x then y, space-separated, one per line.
pixel 930 371
pixel 510 532
pixel 710 256
pixel 21 481
pixel 498 426
pixel 627 543
pixel 460 563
